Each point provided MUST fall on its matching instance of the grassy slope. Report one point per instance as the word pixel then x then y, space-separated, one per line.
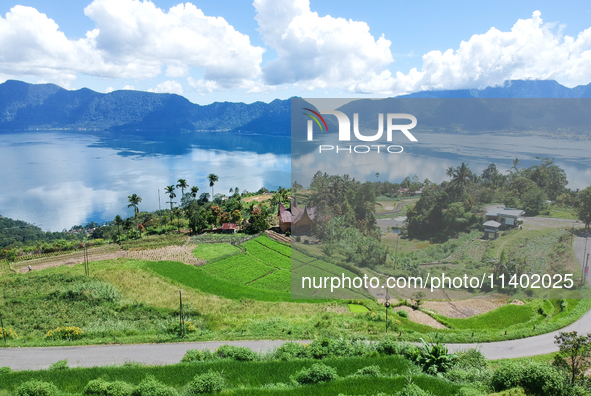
pixel 249 375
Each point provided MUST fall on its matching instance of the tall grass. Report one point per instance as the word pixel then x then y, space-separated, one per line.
pixel 237 374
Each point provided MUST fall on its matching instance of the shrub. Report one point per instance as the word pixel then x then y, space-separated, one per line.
pixel 542 379
pixel 100 387
pixel 389 346
pixel 432 358
pixel 236 353
pixel 8 333
pixel 535 378
pixel 508 376
pixel 5 370
pixel 206 383
pixel 174 327
pixel 289 351
pixel 36 388
pixel 369 371
pixel 319 372
pixel 150 386
pixel 470 376
pixel 59 365
pixel 471 358
pixel 411 390
pixel 511 392
pixel 195 355
pixel 578 391
pixel 402 313
pixel 65 332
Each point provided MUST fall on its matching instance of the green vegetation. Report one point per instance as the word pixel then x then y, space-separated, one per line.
pixel 326 366
pixel 197 278
pixel 154 242
pixel 210 251
pixel 357 308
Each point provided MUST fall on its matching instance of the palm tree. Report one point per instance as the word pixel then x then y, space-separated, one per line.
pixel 134 201
pixel 118 222
pixel 194 191
pixel 213 178
pixel 450 171
pixel 170 191
pixel 462 174
pixel 182 184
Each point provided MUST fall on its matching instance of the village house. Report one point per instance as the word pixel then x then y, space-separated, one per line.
pixel 500 218
pixel 491 229
pixel 505 216
pixel 297 220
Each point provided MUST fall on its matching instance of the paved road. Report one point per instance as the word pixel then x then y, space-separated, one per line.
pixel 102 355
pixel 88 356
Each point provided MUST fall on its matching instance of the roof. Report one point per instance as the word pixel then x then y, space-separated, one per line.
pixel 284 214
pixel 492 223
pixel 510 212
pixel 228 226
pixel 298 213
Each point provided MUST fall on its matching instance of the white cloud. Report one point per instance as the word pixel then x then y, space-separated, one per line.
pixel 531 50
pixel 318 52
pixel 132 39
pixel 128 88
pixel 169 86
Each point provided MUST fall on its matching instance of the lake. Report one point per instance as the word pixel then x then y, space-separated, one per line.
pixel 434 153
pixel 58 179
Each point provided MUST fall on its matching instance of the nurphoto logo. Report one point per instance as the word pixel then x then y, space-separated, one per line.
pixel 345 131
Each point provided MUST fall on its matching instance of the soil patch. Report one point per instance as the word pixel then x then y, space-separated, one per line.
pixel 420 317
pixel 75 260
pixel 461 309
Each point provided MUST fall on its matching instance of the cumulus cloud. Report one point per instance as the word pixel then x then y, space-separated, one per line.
pixel 169 86
pixel 132 39
pixel 531 50
pixel 326 52
pixel 183 37
pixel 315 51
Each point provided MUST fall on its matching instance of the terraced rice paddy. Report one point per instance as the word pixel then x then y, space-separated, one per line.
pixel 269 265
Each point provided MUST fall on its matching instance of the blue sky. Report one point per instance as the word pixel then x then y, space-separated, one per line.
pixel 248 51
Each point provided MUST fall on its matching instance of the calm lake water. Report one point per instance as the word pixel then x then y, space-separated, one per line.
pixel 59 179
pixel 433 154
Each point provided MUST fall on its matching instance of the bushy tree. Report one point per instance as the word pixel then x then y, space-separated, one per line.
pixel 575 352
pixel 258 221
pixel 584 208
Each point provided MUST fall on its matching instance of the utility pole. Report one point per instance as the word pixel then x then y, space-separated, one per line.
pixel 387 305
pixel 583 262
pixel 181 318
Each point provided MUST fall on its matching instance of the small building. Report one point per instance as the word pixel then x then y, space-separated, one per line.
pixel 505 216
pixel 284 218
pixel 491 229
pixel 297 220
pixel 229 228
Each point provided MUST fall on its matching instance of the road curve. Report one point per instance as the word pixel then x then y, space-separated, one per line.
pixel 158 354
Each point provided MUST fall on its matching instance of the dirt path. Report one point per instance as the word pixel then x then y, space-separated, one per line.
pixel 74 260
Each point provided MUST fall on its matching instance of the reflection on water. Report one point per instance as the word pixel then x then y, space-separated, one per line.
pixel 434 153
pixel 59 179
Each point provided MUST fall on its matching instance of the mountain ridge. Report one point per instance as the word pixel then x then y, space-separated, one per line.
pixel 25 106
